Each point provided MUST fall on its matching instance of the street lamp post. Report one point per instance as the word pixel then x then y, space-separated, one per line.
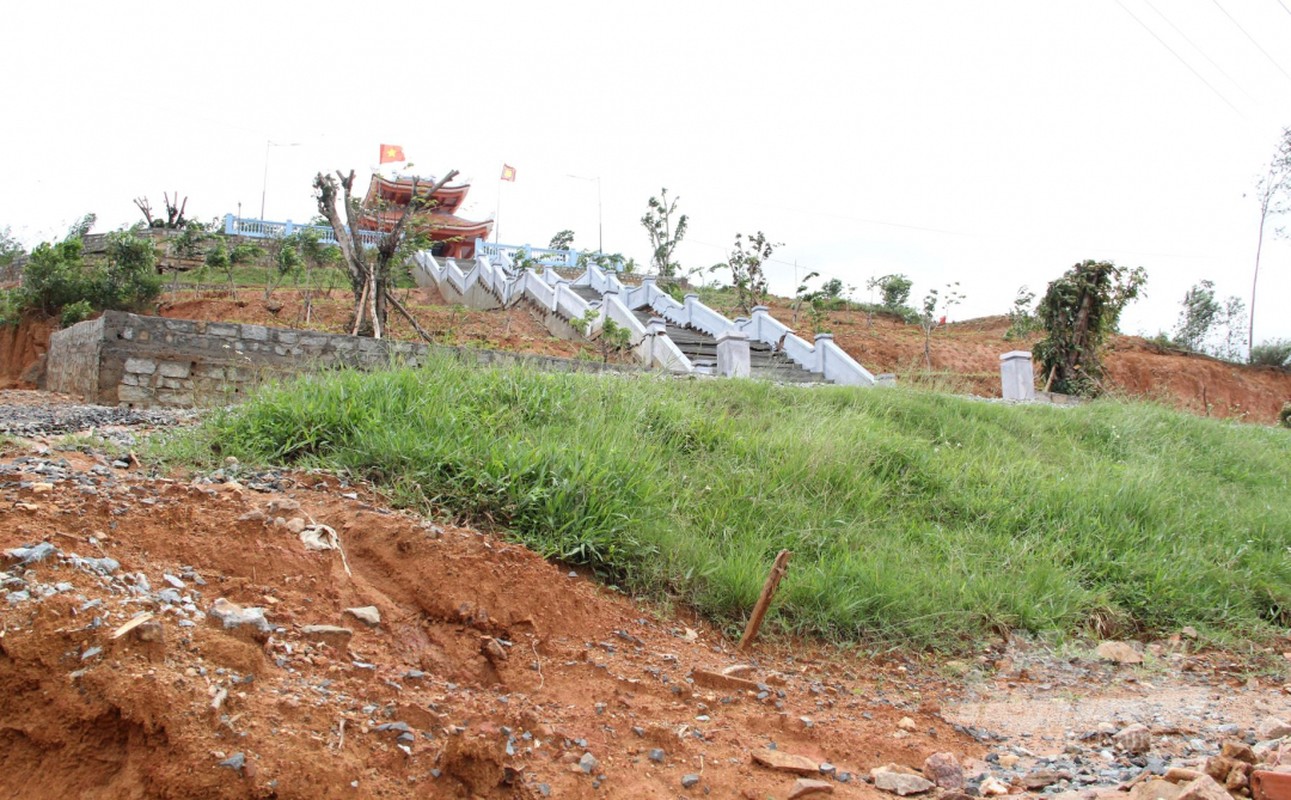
pixel 600 238
pixel 265 184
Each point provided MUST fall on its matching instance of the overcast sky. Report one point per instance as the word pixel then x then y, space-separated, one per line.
pixel 994 143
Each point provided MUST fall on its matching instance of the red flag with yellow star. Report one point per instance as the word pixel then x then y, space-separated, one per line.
pixel 391 152
pixel 508 173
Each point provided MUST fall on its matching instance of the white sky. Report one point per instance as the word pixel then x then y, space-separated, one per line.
pixel 994 143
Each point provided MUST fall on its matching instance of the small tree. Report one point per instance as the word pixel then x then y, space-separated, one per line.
pixel 370 277
pixel 1022 319
pixel 932 315
pixel 563 240
pixel 82 226
pixel 894 289
pixel 1079 310
pixel 220 257
pixel 1208 326
pixel 745 263
pixel 664 237
pixel 10 251
pixel 1273 191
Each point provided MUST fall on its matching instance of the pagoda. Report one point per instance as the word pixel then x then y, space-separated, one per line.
pixel 451 236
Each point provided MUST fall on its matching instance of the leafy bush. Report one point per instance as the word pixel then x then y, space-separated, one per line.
pixel 1079 310
pixel 1272 353
pixel 57 276
pixel 1284 416
pixel 75 312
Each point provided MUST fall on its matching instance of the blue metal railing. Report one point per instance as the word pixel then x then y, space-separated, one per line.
pixel 266 229
pixel 540 255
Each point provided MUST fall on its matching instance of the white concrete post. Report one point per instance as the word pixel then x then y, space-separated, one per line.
pixel 1017 376
pixel 821 338
pixel 733 354
pixel 759 314
pixel 689 302
pixel 655 328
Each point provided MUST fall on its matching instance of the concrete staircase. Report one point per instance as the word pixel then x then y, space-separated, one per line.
pixel 764 363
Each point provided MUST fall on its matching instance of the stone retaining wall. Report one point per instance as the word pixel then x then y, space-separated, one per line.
pixel 143 362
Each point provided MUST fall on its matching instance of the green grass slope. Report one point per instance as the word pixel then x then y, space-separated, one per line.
pixel 915 518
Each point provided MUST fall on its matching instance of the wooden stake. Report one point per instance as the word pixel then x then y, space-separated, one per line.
pixel 360 309
pixel 778 570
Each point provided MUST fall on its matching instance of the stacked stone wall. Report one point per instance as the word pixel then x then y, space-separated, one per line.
pixel 143 362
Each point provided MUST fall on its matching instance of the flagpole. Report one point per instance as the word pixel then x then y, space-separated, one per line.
pixel 497 210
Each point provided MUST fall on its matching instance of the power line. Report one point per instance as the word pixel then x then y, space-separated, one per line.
pixel 1197 47
pixel 1200 77
pixel 1252 40
pixel 1284 6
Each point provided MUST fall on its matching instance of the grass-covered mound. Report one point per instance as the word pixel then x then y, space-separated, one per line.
pixel 913 517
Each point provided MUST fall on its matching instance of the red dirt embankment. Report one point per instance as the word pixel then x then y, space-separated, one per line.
pixel 21 348
pixel 491 673
pixel 966 358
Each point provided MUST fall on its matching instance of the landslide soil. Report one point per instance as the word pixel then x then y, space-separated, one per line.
pixel 503 668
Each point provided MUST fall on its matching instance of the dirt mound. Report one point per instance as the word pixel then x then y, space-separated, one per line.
pixel 490 672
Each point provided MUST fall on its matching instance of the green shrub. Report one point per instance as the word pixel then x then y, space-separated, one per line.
pixel 57 276
pixel 73 313
pixel 1284 417
pixel 1272 353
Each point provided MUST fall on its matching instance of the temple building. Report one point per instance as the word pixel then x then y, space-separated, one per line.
pixel 452 236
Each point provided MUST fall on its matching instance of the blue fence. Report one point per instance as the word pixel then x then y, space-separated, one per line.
pixel 266 229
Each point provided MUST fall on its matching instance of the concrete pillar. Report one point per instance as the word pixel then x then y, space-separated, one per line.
pixel 1017 376
pixel 759 313
pixel 689 302
pixel 821 350
pixel 733 354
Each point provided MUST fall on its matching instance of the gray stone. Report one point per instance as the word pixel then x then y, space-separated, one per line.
pixel 141 366
pixel 173 369
pixel 365 614
pixel 689 780
pixel 233 616
pixel 31 555
pixel 173 581
pixel 588 763
pixel 103 566
pixel 234 762
pixel 657 755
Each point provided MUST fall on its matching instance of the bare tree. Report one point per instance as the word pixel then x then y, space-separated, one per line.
pixel 369 279
pixel 1273 190
pixel 174 213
